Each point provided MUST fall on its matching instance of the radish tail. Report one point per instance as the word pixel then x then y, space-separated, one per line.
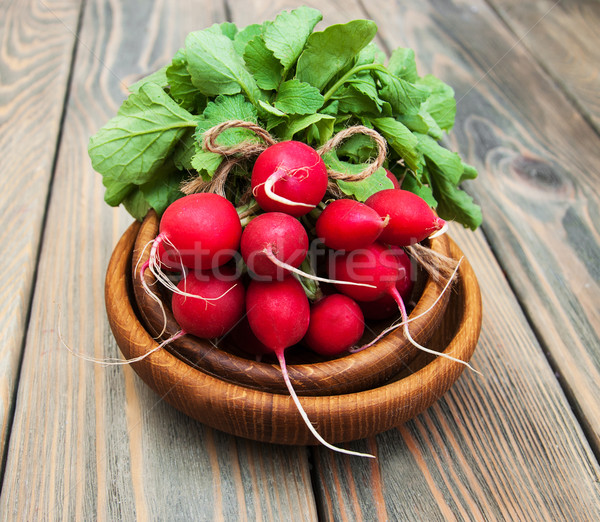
pixel 114 361
pixel 304 416
pixel 271 180
pixel 397 325
pixel 154 267
pixel 398 298
pixel 282 264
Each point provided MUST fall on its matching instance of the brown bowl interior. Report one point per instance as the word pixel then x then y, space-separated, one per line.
pixel 273 417
pixel 309 374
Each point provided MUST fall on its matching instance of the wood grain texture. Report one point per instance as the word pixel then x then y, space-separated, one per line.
pixel 91 442
pixel 502 446
pixel 36 44
pixel 539 179
pixel 563 36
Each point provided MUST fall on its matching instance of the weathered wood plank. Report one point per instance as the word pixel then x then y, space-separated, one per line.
pixel 539 180
pixel 507 446
pixel 564 37
pixel 36 43
pixel 91 442
pixel 502 446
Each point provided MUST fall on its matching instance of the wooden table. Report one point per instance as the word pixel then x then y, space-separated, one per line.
pixel 81 441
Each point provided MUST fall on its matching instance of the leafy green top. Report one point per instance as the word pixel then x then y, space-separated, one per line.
pixel 298 84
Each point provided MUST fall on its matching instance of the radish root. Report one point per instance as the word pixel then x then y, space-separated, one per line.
pixel 114 361
pixel 405 320
pixel 153 265
pixel 304 416
pixel 399 301
pixel 282 264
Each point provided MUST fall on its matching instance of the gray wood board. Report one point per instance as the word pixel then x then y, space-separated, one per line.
pixel 563 37
pixel 36 45
pixel 94 442
pixel 539 180
pixel 502 446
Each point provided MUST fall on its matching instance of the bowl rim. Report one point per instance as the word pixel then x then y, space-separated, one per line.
pixel 271 417
pixel 346 374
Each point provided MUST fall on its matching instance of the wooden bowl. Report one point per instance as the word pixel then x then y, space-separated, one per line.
pixel 345 374
pixel 273 417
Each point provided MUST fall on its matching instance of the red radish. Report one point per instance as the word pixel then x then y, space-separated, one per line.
pixel 209 319
pixel 277 234
pixel 336 324
pixel 275 244
pixel 279 314
pixel 392 178
pixel 201 230
pixel 386 306
pixel 376 265
pixel 411 218
pixel 289 177
pixel 347 224
pixel 381 267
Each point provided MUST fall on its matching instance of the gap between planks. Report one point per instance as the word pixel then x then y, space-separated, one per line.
pixel 40 243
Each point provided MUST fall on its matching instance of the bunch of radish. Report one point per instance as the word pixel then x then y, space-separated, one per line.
pixel 202 237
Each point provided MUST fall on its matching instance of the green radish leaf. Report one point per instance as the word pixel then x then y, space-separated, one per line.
pixel 182 89
pixel 364 189
pixel 469 172
pixel 365 84
pixel 323 122
pixel 224 108
pixel 133 145
pixel 267 69
pixel 402 140
pixel 411 184
pixel 135 203
pixel 287 35
pixel 184 151
pixel 116 191
pixel 351 101
pixel 295 97
pixel 446 162
pixel 227 108
pixel 403 65
pixel 359 148
pixel 328 52
pixel 369 54
pixel 422 122
pixel 441 103
pixel 228 29
pixel 271 110
pixel 243 37
pixel 321 131
pixel 275 120
pixel 453 203
pixel 404 97
pixel 216 68
pixel 163 190
pixel 158 77
pixel 206 163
